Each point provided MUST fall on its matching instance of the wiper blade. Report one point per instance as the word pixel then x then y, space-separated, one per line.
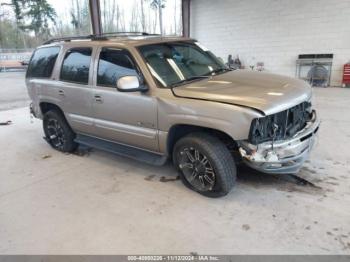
pixel 220 70
pixel 188 80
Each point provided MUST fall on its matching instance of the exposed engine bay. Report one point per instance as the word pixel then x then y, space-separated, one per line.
pixel 280 126
pixel 281 142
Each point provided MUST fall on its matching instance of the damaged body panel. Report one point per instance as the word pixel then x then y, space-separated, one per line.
pixel 281 156
pixel 280 138
pixel 281 125
pixel 266 92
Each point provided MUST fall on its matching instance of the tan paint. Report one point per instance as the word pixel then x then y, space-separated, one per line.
pixel 227 102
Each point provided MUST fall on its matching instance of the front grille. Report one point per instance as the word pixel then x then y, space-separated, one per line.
pixel 280 126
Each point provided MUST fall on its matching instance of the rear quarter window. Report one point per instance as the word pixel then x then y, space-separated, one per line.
pixel 43 62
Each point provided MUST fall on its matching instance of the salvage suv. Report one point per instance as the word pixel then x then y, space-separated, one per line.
pixel 155 98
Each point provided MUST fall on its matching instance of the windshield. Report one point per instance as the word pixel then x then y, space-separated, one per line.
pixel 180 62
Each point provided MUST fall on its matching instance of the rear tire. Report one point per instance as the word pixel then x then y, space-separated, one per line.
pixel 57 131
pixel 205 164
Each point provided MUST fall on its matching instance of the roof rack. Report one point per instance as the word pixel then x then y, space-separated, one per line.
pixel 103 36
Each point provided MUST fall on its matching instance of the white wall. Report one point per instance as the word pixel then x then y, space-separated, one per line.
pixel 274 31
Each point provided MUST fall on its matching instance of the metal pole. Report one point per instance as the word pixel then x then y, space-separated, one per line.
pixel 186 4
pixel 95 15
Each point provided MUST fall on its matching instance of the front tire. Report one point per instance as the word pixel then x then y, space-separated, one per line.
pixel 57 131
pixel 205 164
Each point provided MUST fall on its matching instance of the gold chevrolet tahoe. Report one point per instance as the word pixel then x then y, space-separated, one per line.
pixel 155 98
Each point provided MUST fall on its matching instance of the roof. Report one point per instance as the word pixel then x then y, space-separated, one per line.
pixel 142 40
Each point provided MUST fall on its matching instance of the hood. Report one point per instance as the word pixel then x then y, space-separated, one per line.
pixel 268 93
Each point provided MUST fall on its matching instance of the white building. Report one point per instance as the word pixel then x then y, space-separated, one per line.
pixel 274 31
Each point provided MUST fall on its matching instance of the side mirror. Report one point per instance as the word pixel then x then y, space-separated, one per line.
pixel 130 84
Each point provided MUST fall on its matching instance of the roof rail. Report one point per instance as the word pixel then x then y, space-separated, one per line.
pixel 103 36
pixel 126 33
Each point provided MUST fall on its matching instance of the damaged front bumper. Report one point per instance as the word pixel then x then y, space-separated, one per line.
pixel 281 157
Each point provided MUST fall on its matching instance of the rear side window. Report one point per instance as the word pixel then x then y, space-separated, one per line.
pixel 42 62
pixel 76 64
pixel 113 64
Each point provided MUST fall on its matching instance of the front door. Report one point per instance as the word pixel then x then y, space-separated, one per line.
pixel 125 117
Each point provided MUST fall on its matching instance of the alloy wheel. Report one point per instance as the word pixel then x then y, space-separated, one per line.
pixel 197 169
pixel 55 133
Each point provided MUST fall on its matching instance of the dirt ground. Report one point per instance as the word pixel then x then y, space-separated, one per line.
pixel 99 203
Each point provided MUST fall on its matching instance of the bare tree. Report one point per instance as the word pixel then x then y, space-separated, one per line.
pixel 159 5
pixel 134 21
pixel 79 14
pixel 175 17
pixel 118 18
pixel 109 19
pixel 122 20
pixel 154 30
pixel 143 21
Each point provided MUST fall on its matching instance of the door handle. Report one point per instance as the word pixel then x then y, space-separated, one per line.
pixel 98 99
pixel 61 92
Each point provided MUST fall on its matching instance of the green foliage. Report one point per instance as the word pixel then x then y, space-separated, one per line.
pixel 38 13
pixel 31 17
pixel 34 16
pixel 12 38
pixel 17 8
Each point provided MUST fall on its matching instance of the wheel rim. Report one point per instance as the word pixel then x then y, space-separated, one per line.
pixel 197 169
pixel 55 133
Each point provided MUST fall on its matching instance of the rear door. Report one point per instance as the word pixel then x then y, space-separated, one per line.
pixel 124 117
pixel 74 87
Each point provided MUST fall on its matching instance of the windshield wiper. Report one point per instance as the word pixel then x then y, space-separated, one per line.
pixel 219 70
pixel 189 80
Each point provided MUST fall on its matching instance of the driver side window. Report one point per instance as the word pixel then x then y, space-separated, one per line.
pixel 113 64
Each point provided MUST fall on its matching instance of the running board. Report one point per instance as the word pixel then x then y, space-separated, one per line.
pixel 122 150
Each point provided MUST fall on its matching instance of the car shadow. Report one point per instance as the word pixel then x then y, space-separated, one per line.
pixel 284 182
pixel 246 176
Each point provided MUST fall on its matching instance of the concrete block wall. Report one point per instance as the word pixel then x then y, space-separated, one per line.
pixel 274 31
